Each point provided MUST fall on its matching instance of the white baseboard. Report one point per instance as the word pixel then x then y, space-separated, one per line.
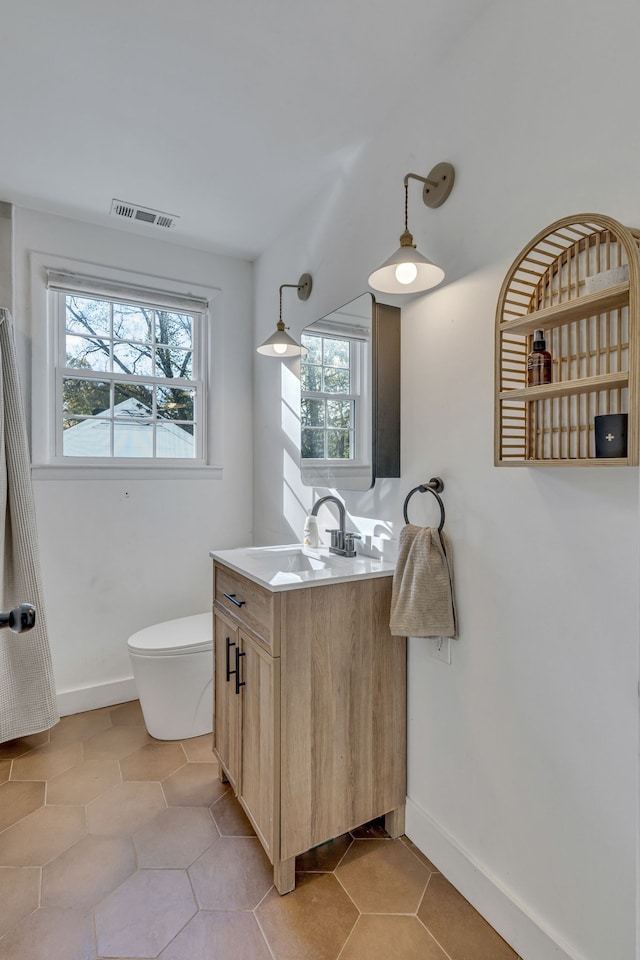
pixel 522 931
pixel 100 695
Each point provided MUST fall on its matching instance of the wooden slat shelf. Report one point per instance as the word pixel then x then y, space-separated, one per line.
pixel 589 305
pixel 587 334
pixel 606 381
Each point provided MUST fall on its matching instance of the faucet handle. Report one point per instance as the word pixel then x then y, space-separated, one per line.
pixel 336 537
pixel 349 545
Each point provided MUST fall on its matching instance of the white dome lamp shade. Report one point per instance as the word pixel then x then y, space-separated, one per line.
pixel 407 270
pixel 280 344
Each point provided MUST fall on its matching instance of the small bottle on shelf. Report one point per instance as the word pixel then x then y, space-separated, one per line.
pixel 539 362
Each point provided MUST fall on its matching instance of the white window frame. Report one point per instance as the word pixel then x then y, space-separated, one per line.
pixel 50 277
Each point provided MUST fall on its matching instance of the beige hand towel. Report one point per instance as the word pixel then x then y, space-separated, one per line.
pixel 422 602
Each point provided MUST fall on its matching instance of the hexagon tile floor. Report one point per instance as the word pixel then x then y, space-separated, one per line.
pixel 113 844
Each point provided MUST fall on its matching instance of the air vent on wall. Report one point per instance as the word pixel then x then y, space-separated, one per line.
pixel 131 211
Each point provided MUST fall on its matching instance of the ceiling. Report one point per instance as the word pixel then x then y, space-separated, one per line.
pixel 229 115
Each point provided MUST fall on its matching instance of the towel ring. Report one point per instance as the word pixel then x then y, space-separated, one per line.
pixel 434 486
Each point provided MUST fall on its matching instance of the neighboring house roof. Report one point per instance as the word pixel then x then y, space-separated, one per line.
pixel 133 435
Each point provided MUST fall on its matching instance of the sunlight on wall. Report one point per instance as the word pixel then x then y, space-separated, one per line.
pixel 290 405
pixel 296 499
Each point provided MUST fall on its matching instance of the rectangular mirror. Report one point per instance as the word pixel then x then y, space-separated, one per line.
pixel 350 396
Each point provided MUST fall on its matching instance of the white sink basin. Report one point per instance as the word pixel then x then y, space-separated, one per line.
pixel 287 559
pixel 292 565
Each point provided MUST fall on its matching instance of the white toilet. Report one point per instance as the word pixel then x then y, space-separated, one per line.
pixel 173 669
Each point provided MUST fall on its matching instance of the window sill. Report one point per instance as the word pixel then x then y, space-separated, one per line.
pixel 118 471
pixel 335 466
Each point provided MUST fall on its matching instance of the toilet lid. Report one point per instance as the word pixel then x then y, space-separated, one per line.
pixel 184 635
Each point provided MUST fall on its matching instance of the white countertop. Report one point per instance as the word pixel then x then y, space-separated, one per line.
pixel 292 566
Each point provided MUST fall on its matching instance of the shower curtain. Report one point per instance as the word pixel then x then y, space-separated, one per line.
pixel 27 692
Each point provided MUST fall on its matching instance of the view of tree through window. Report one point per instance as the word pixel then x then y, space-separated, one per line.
pixel 327 405
pixel 128 370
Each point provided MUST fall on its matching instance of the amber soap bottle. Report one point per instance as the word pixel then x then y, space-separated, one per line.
pixel 539 362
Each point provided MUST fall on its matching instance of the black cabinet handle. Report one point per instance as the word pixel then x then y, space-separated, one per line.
pixel 230 672
pixel 232 597
pixel 239 682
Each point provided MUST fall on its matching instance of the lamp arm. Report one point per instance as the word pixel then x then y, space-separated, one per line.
pixel 282 286
pixel 412 176
pixel 437 185
pixel 416 176
pixel 303 286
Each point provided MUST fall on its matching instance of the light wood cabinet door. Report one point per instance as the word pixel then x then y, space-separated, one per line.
pixel 227 709
pixel 260 763
pixel 343 712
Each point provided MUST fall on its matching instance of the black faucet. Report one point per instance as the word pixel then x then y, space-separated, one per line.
pixel 342 543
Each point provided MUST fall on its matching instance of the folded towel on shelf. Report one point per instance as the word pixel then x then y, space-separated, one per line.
pixel 422 602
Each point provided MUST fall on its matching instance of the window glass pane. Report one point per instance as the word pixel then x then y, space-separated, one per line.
pixel 135 417
pixel 173 363
pixel 339 444
pixel 175 440
pixel 85 398
pixel 336 352
pixel 174 404
pixel 86 438
pixel 69 422
pixel 340 413
pixel 88 354
pixel 336 381
pixel 85 315
pixel 132 358
pixel 131 439
pixel 133 401
pixel 132 323
pixel 312 445
pixel 314 346
pixel 174 329
pixel 312 413
pixel 311 378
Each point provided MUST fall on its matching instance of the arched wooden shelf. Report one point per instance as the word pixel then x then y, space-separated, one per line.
pixel 578 280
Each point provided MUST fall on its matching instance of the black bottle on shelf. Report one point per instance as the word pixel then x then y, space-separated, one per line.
pixel 539 362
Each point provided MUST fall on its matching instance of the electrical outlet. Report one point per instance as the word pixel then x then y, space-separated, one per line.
pixel 440 648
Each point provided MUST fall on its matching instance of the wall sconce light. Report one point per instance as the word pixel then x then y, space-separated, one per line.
pixel 280 344
pixel 408 271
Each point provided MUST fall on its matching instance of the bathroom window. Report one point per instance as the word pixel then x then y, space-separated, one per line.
pixel 129 377
pixel 330 397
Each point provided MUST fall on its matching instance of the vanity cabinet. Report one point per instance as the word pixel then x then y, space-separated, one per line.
pixel 578 281
pixel 310 710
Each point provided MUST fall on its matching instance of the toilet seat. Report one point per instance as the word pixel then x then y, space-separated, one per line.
pixel 174 637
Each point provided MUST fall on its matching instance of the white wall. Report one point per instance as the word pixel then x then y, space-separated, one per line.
pixel 523 753
pixel 112 565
